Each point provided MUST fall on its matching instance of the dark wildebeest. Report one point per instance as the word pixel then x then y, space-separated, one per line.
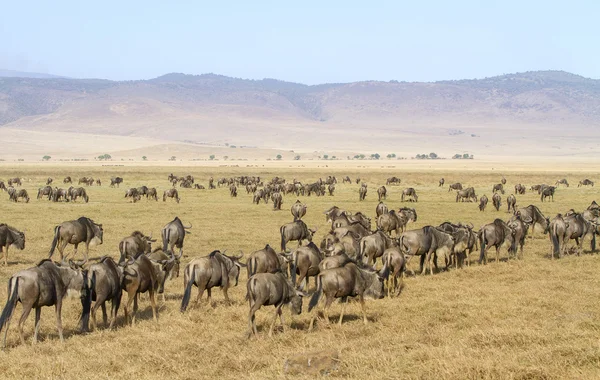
pixel 104 279
pixel 142 190
pixel 83 230
pixel 171 193
pixel 362 192
pixel 45 284
pixel 132 193
pixel 558 236
pixel 98 182
pixel 393 181
pixel 67 180
pixel 381 209
pixel 344 282
pixel 441 183
pixel 304 262
pixel 331 189
pixel 562 182
pixel 537 188
pixel 585 182
pixel 3 186
pixel 382 193
pixel 215 269
pixel 76 192
pixel 16 194
pixel 409 193
pixel 333 213
pixel 594 206
pixel 455 186
pixel 392 221
pixel 57 194
pixel 277 200
pixel 233 190
pixel 483 201
pixel 498 187
pixel 520 228
pixel 297 230
pixel 548 192
pixel 116 181
pixel 10 237
pixel 347 179
pixel 503 181
pixel 152 194
pixel 139 276
pixel 395 261
pixel 532 215
pixel 298 210
pixel 45 191
pixel 199 187
pixel 134 245
pixel 497 201
pixel 357 180
pixel 173 234
pixel 373 246
pixel 578 228
pixel 258 195
pixel 83 180
pixel 519 189
pixel 427 242
pixel 511 201
pixel 467 194
pixel 14 181
pixel 49 181
pixel 275 289
pixel 265 260
pixel 496 234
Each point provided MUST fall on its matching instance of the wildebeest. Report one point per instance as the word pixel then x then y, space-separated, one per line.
pixel 362 192
pixel 15 194
pixel 67 180
pixel 304 262
pixel 464 239
pixel 298 210
pixel 233 190
pixel 275 289
pixel 562 182
pixel 496 234
pixel 347 179
pixel 333 213
pixel 344 282
pixel 258 195
pixel 297 230
pixel 395 261
pixel 410 194
pixel 511 201
pixel 520 228
pixel 335 261
pixel 10 237
pixel 503 181
pixel 45 191
pixel 381 209
pixel 83 230
pixel 82 180
pixel 132 193
pixel 57 194
pixel 158 255
pixel 497 201
pixel 173 234
pixel 584 182
pixel 427 242
pixel 3 186
pixel 357 180
pixel 139 276
pixel 537 188
pixel 199 187
pixel 14 181
pixel 483 201
pixel 152 194
pixel 344 241
pixel 277 199
pixel 498 187
pixel 382 193
pixel 392 221
pixel 393 181
pixel 171 193
pixel 215 269
pixel 532 215
pixel 265 260
pixel 104 282
pixel 373 246
pixel 45 284
pixel 49 181
pixel 331 189
pixel 98 182
pixel 77 192
pixel 519 189
pixel 134 245
pixel 116 181
pixel 578 228
pixel 547 192
pixel 455 186
pixel 441 183
pixel 558 236
pixel 467 194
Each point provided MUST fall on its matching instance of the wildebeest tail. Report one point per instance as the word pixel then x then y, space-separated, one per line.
pixel 13 290
pixel 188 290
pixel 249 290
pixel 166 235
pixel 481 236
pixel 282 232
pixel 294 267
pixel 594 240
pixel 314 300
pixel 55 240
pixel 555 243
pixel 86 302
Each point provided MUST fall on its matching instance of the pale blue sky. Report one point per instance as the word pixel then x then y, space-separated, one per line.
pixel 302 41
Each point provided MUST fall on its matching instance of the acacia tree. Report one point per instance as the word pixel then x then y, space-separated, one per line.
pixel 46 158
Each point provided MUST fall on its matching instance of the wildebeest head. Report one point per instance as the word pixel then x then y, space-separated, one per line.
pixel 376 286
pixel 296 302
pixel 98 231
pixel 234 267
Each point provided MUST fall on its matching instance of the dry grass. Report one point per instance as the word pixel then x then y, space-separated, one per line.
pixel 525 319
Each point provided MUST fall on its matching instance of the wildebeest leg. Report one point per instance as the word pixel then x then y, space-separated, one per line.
pixel 277 311
pixel 93 315
pixel 127 308
pixel 115 303
pixel 58 309
pixel 104 315
pixel 24 315
pixel 74 251
pixel 209 295
pixel 61 248
pixel 344 301
pixel 363 308
pixel 328 302
pixel 252 320
pixel 200 292
pixel 281 319
pixel 497 253
pixel 5 254
pixel 301 279
pixel 421 262
pixel 227 301
pixel 153 304
pixel 87 251
pixel 36 330
pixel 578 246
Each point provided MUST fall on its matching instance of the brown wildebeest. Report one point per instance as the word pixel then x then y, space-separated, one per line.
pixel 335 261
pixel 298 210
pixel 139 276
pixel 67 180
pixel 216 269
pixel 304 262
pixel 10 237
pixel 15 195
pixel 537 188
pixel 547 192
pixel 104 281
pixel 330 189
pixel 265 260
pixel 395 261
pixel 45 191
pixel 519 189
pixel 562 182
pixel 157 255
pixel 342 241
pixel 199 187
pixel 464 239
pixel 57 194
pixel 134 245
pixel 503 181
pixel 558 236
pixel 497 201
pixel 233 190
pixel 83 230
pixel 297 230
pixel 116 181
pixel 98 182
pixel 427 242
pixel 277 200
pixel 132 193
pixel 382 193
pixel 152 194
pixel 171 193
pixel 584 182
pixel 362 192
pixel 532 215
pixel 14 181
pixel 578 228
pixel 333 213
pixel 3 186
pixel 83 180
pixel 76 192
pixel 357 180
pixel 511 201
pixel 275 289
pixel 498 187
pixel 442 181
pixel 381 209
pixel 520 228
pixel 409 193
pixel 392 221
pixel 45 284
pixel 344 282
pixel 393 181
pixel 467 194
pixel 347 179
pixel 496 234
pixel 49 181
pixel 483 201
pixel 373 246
pixel 173 234
pixel 455 186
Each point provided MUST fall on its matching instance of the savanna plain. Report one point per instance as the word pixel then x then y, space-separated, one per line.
pixel 525 318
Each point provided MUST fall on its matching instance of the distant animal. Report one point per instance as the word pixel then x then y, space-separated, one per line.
pixel 519 189
pixel 441 183
pixel 116 181
pixel 10 237
pixel 171 193
pixel 393 181
pixel 455 186
pixel 410 194
pixel 83 230
pixel 562 182
pixel 483 201
pixel 548 192
pixel 497 201
pixel 511 200
pixel 498 187
pixel 298 210
pixel 585 182
pixel 362 192
pixel 382 193
pixel 297 230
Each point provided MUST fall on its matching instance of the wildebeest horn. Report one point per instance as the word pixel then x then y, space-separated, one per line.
pixel 186 227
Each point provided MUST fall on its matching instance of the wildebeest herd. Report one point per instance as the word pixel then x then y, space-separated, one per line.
pixel 343 266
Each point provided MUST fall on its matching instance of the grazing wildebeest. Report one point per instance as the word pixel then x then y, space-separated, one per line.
pixel 585 182
pixel 496 234
pixel 139 276
pixel 357 180
pixel 304 262
pixel 537 188
pixel 511 201
pixel 83 230
pixel 3 186
pixel 532 215
pixel 427 242
pixel 395 261
pixel 392 221
pixel 297 230
pixel 343 282
pixel 10 237
pixel 497 201
pixel 104 282
pixel 467 194
pixel 347 179
pixel 14 181
pixel 265 260
pixel 578 228
pixel 275 289
pixel 57 194
pixel 82 180
pixel 562 182
pixel 558 236
pixel 45 191
pixel 199 187
pixel 116 181
pixel 173 234
pixel 381 209
pixel 520 228
pixel 442 181
pixel 298 210
pixel 16 194
pixel 49 181
pixel 393 181
pixel 331 189
pixel 333 213
pixel 503 181
pixel 171 193
pixel 132 193
pixel 233 190
pixel 373 246
pixel 464 239
pixel 382 193
pixel 519 189
pixel 548 192
pixel 78 192
pixel 67 180
pixel 45 284
pixel 152 194
pixel 409 193
pixel 498 187
pixel 142 190
pixel 98 182
pixel 277 199
pixel 455 186
pixel 483 201
pixel 362 192
pixel 215 269
pixel 134 245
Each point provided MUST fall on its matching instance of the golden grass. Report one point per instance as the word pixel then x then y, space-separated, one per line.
pixel 525 319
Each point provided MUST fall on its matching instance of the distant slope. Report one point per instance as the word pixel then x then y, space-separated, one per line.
pixel 24 74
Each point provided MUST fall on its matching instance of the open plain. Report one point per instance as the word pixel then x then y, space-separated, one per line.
pixel 523 318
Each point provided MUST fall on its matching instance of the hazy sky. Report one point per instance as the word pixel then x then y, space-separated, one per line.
pixel 302 41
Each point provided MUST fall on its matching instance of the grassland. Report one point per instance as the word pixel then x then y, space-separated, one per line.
pixel 519 319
